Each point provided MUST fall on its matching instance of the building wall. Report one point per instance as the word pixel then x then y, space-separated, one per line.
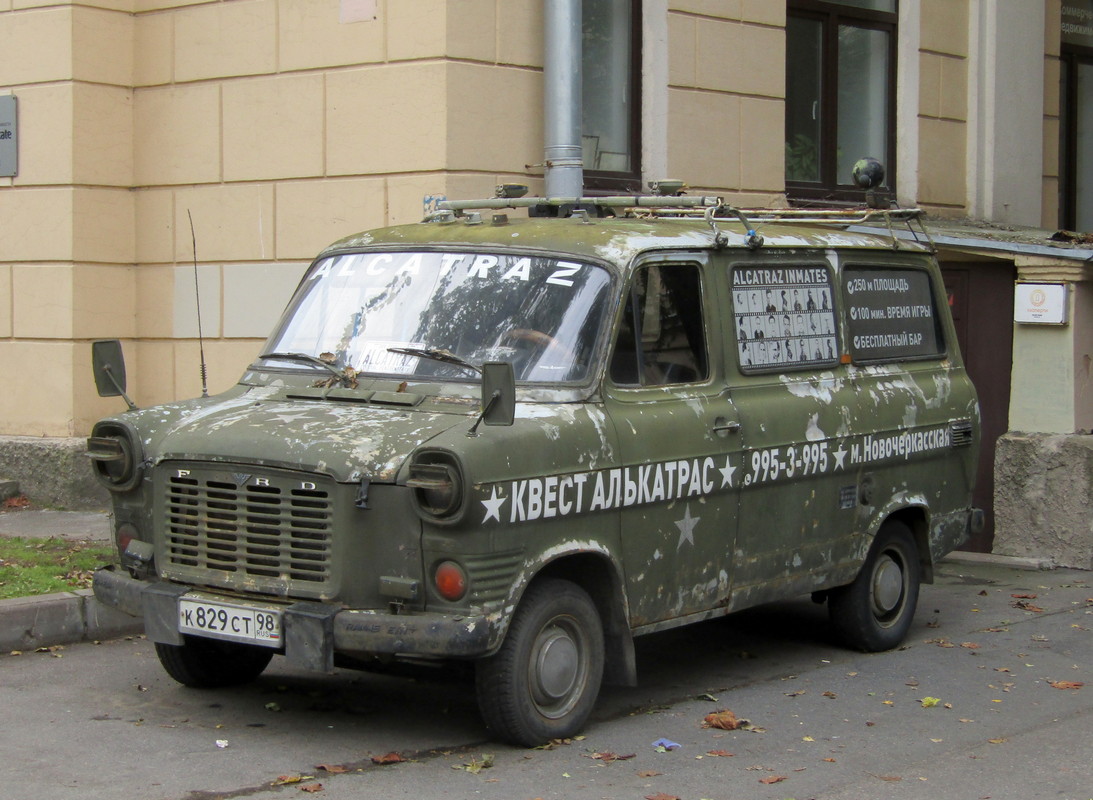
pixel 279 126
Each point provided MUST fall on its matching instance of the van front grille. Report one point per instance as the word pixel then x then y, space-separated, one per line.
pixel 264 528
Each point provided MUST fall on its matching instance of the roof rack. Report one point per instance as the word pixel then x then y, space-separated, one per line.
pixel 712 209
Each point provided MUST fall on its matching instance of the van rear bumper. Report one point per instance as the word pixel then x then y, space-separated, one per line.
pixel 313 632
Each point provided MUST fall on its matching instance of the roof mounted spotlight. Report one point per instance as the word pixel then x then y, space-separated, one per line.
pixel 510 190
pixel 668 187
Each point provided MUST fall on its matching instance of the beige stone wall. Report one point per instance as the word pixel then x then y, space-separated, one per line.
pixel 943 107
pixel 726 93
pixel 282 125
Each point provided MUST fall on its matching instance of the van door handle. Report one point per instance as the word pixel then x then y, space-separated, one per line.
pixel 722 426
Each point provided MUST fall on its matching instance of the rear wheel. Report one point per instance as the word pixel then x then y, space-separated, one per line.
pixel 209 663
pixel 875 611
pixel 543 682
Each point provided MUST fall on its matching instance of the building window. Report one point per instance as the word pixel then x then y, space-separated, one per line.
pixel 1076 118
pixel 840 94
pixel 611 128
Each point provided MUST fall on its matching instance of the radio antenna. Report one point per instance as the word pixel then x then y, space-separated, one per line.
pixel 197 294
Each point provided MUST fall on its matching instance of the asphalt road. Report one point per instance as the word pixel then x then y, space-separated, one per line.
pixel 103 721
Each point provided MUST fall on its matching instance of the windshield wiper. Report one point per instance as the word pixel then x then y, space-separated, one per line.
pixel 347 377
pixel 434 354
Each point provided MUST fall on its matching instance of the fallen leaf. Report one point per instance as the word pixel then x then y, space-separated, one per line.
pixel 997 741
pixel 312 788
pixel 1025 605
pixel 982 592
pixel 474 766
pixel 829 760
pixel 773 779
pixel 724 720
pixel 797 693
pixel 969 645
pixel 333 769
pixel 272 707
pixel 1024 596
pixel 830 695
pixel 1066 684
pixel 720 753
pixel 389 758
pixel 607 757
pixel 284 780
pixel 965 719
pixel 889 778
pixel 661 796
pixel 930 702
pixel 648 773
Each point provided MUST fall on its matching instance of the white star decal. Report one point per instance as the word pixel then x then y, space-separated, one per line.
pixel 840 455
pixel 686 527
pixel 727 473
pixel 493 506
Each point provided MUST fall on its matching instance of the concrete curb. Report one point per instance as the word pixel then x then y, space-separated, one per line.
pixel 27 623
pixel 1013 562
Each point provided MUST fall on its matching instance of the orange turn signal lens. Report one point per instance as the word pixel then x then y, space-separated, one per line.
pixel 451 581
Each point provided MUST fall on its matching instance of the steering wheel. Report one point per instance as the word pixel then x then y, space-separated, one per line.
pixel 538 341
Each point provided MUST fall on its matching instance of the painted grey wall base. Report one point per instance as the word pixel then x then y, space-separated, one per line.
pixel 1043 496
pixel 52 472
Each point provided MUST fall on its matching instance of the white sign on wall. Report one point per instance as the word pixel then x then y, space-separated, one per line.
pixel 1044 303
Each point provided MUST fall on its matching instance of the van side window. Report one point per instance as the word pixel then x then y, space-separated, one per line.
pixel 891 315
pixel 784 316
pixel 662 338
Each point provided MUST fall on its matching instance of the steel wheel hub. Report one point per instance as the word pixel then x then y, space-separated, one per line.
pixel 557 667
pixel 887 586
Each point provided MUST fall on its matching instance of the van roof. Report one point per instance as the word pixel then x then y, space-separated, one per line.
pixel 705 224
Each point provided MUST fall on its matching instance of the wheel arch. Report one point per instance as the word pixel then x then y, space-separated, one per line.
pixel 916 519
pixel 601 579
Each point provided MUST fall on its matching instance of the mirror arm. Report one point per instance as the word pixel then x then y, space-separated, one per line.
pixel 110 374
pixel 485 410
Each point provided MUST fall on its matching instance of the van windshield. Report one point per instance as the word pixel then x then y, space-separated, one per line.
pixel 542 315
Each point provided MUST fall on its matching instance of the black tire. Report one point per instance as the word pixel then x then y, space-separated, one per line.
pixel 210 664
pixel 543 682
pixel 875 612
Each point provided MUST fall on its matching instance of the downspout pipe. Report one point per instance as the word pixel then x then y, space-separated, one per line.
pixel 562 109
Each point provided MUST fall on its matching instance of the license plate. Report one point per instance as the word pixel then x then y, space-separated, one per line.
pixel 212 618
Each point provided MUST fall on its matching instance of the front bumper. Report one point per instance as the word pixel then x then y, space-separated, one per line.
pixel 314 632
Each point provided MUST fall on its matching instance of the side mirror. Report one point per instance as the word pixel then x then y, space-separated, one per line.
pixel 108 364
pixel 498 393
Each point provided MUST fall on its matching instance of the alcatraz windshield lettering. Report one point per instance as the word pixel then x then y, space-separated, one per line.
pixel 481 266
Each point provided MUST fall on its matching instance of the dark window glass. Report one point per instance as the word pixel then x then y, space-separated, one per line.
pixel 840 94
pixel 891 315
pixel 1076 150
pixel 662 338
pixel 611 101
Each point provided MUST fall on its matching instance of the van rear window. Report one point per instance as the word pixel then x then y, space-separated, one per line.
pixel 891 315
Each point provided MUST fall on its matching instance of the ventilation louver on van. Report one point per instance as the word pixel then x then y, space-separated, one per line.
pixel 961 432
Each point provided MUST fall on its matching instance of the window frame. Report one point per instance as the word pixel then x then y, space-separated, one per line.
pixel 603 182
pixel 831 15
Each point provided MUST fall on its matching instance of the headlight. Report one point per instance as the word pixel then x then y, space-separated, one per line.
pixel 437 485
pixel 116 456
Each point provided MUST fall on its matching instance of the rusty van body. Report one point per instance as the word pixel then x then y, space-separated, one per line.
pixel 525 440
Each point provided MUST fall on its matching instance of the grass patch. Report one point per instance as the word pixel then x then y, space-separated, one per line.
pixel 42 566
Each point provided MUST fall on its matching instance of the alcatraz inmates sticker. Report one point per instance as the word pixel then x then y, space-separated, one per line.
pixel 553 496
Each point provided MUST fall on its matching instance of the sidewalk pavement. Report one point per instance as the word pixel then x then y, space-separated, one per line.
pixel 27 623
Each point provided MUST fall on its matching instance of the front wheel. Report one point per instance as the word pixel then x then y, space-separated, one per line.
pixel 875 612
pixel 543 682
pixel 210 663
